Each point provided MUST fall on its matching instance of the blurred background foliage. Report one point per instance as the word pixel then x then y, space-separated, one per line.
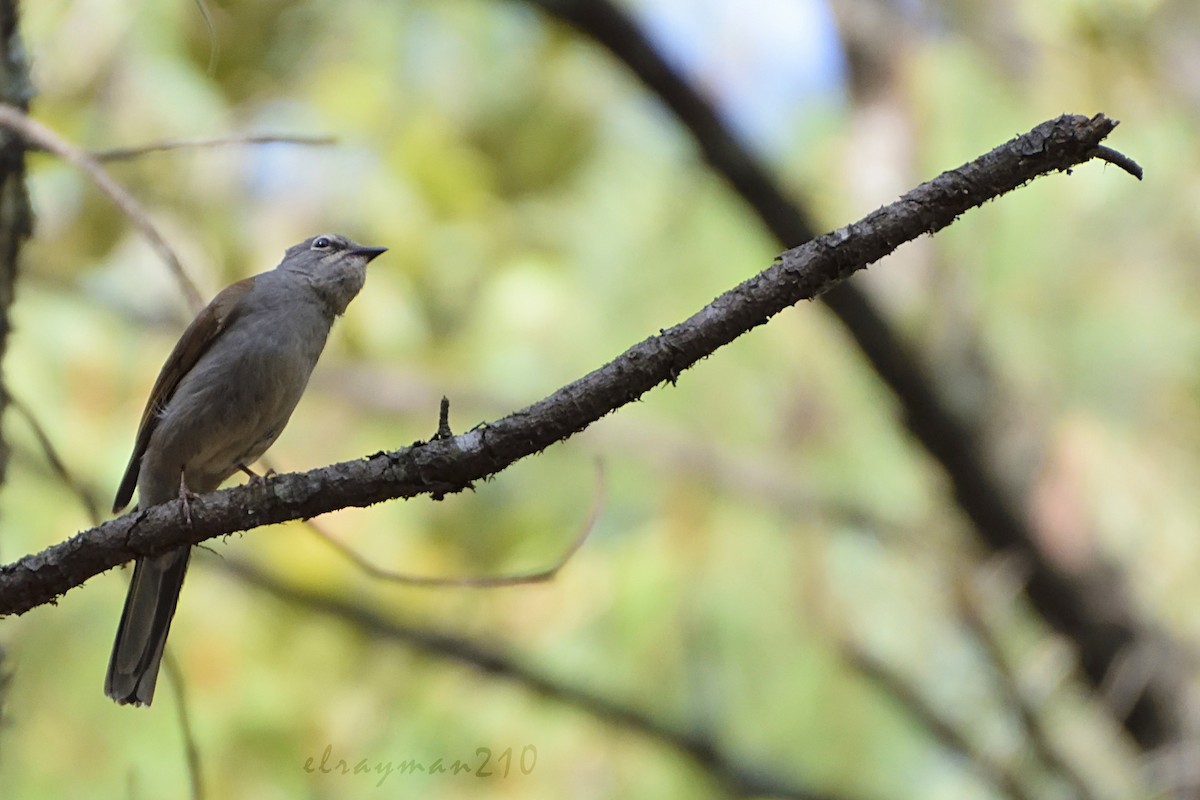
pixel 544 213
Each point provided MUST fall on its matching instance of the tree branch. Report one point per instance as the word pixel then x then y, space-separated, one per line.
pixel 1034 730
pixel 739 778
pixel 191 751
pixel 38 136
pixel 947 733
pixel 58 466
pixel 368 567
pixel 1091 605
pixel 448 465
pixel 137 151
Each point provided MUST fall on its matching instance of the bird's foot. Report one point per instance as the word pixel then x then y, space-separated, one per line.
pixel 255 478
pixel 186 496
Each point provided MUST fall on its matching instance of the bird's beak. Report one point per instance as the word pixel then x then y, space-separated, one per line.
pixel 369 252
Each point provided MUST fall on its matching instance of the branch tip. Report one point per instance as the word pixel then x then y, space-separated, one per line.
pixel 1118 159
pixel 443 430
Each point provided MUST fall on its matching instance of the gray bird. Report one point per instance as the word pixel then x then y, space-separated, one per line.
pixel 222 398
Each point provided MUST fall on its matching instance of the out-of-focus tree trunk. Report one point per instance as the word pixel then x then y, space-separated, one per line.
pixel 16 219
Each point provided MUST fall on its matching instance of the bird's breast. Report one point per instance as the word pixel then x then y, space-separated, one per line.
pixel 236 400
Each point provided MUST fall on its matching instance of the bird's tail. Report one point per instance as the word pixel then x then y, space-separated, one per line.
pixel 142 634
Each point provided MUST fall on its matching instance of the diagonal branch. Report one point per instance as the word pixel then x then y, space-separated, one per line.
pixel 1034 730
pixel 37 135
pixel 475 582
pixel 1091 606
pixel 446 465
pixel 137 151
pixel 700 747
pixel 58 466
pixel 945 731
pixel 191 750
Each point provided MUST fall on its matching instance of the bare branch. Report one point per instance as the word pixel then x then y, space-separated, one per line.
pixel 126 153
pixel 495 582
pixel 214 43
pixel 970 610
pixel 699 746
pixel 943 730
pixel 38 135
pixel 190 750
pixel 57 465
pixel 955 436
pixel 1119 159
pixel 445 466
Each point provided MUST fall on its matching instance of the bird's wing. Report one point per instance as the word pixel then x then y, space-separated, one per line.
pixel 198 337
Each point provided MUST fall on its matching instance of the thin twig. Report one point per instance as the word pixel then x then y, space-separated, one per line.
pixel 57 465
pixel 945 732
pixel 190 749
pixel 126 153
pixel 970 611
pixel 699 746
pixel 1119 159
pixel 540 576
pixel 214 44
pixel 37 134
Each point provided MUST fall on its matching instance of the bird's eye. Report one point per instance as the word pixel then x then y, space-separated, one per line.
pixel 322 243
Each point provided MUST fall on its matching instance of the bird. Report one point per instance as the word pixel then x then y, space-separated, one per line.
pixel 222 398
